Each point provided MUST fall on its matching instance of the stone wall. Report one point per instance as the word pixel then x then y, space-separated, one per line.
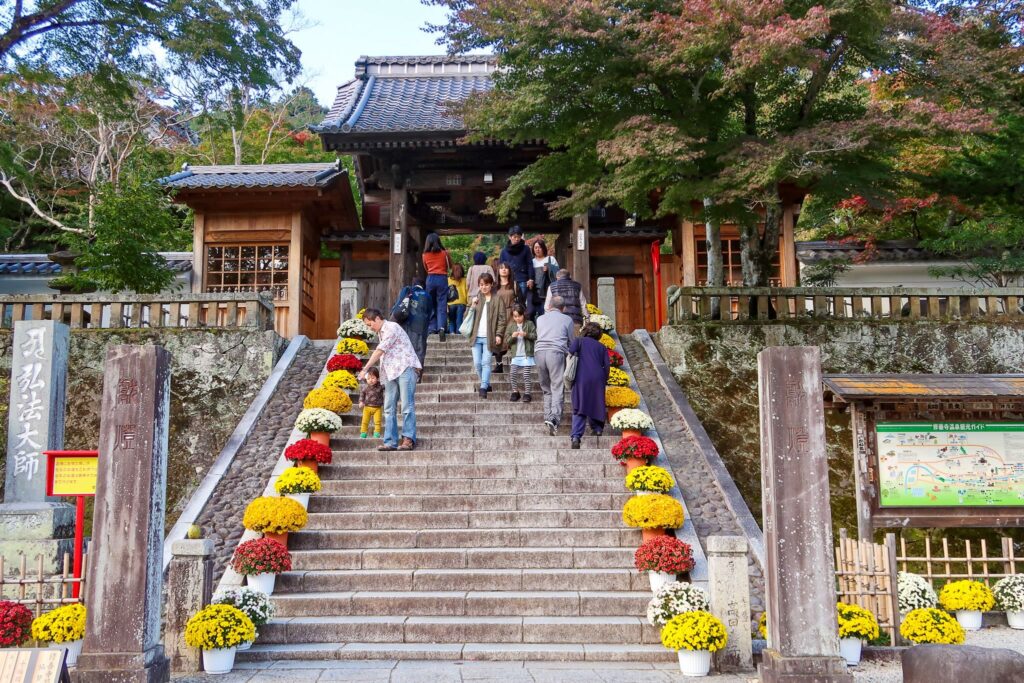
pixel 215 374
pixel 717 366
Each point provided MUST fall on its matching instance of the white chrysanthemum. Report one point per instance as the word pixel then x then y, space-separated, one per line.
pixel 915 592
pixel 255 604
pixel 675 598
pixel 355 328
pixel 317 420
pixel 602 321
pixel 631 418
pixel 1009 593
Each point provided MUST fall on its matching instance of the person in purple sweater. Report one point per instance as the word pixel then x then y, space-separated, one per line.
pixel 588 388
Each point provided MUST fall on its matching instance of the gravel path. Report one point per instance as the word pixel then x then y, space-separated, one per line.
pixel 221 520
pixel 709 513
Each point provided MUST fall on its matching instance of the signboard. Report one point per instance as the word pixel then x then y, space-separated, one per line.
pixel 71 473
pixel 950 464
pixel 33 665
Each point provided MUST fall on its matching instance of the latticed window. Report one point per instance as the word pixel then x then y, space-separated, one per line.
pixel 307 281
pixel 732 263
pixel 248 268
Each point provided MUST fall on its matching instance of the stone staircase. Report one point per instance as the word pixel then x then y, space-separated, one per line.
pixel 490 541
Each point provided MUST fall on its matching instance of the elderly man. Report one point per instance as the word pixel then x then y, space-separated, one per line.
pixel 398 370
pixel 572 294
pixel 554 331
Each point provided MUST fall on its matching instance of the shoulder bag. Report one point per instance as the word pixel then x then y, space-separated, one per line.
pixel 466 328
pixel 453 293
pixel 572 362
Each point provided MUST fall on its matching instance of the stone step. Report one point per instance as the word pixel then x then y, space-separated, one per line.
pixel 459 629
pixel 466 429
pixel 494 442
pixel 464 538
pixel 463 603
pixel 383 470
pixel 608 579
pixel 562 456
pixel 523 417
pixel 320 503
pixel 467 520
pixel 515 652
pixel 384 487
pixel 511 557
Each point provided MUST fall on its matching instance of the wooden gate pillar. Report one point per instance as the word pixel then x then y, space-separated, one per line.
pixel 579 247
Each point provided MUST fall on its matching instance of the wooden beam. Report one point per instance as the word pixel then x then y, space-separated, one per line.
pixel 580 250
pixel 399 271
pixel 688 254
pixel 198 252
pixel 295 277
pixel 787 248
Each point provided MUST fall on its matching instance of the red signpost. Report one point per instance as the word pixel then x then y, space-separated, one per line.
pixel 73 473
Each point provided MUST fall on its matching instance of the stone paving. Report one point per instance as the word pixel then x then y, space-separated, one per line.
pixel 252 466
pixel 709 513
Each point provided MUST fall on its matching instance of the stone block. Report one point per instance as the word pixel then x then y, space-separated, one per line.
pixel 525 603
pixel 575 629
pixel 775 668
pixel 599 603
pixel 730 599
pixel 36 521
pixel 959 663
pixel 189 589
pixel 477 629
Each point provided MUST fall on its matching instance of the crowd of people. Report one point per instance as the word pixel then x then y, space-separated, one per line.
pixel 522 309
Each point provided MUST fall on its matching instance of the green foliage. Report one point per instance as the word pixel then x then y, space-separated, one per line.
pixel 824 273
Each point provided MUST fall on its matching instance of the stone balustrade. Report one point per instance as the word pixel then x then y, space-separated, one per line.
pixel 743 304
pixel 105 311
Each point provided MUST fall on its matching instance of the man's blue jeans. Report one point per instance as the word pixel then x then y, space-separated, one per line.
pixel 403 387
pixel 482 361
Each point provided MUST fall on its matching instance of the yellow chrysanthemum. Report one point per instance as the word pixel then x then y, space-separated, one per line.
pixel 357 347
pixel 271 515
pixel 62 625
pixel 607 342
pixel 694 631
pixel 621 397
pixel 297 480
pixel 930 625
pixel 219 626
pixel 617 378
pixel 342 380
pixel 650 478
pixel 334 400
pixel 856 622
pixel 656 511
pixel 594 310
pixel 966 595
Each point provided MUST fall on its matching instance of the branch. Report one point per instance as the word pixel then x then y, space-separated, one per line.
pixel 25 199
pixel 25 26
pixel 820 78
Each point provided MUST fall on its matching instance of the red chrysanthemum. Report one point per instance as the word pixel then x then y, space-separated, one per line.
pixel 15 623
pixel 261 556
pixel 344 361
pixel 635 447
pixel 307 449
pixel 664 554
pixel 614 358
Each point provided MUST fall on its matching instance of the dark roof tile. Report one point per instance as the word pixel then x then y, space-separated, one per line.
pixel 254 176
pixel 39 264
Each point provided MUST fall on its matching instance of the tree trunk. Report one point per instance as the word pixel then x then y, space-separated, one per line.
pixel 236 144
pixel 713 237
pixel 758 247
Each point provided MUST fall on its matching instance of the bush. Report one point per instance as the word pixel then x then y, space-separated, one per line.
pixel 694 631
pixel 673 599
pixel 656 511
pixel 272 515
pixel 252 603
pixel 317 420
pixel 635 447
pixel 966 595
pixel 334 400
pixel 297 480
pixel 219 626
pixel 664 554
pixel 62 625
pixel 650 478
pixel 856 622
pixel 930 625
pixel 344 361
pixel 915 592
pixel 15 623
pixel 261 556
pixel 307 449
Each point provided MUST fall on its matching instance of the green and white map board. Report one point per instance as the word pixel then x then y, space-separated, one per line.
pixel 951 464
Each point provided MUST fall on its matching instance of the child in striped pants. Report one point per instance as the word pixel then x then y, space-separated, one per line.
pixel 519 339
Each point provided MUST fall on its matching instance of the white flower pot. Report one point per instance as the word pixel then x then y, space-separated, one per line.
pixel 219 661
pixel 970 619
pixel 643 493
pixel 301 498
pixel 1015 619
pixel 695 662
pixel 264 583
pixel 850 648
pixel 243 646
pixel 74 648
pixel 659 579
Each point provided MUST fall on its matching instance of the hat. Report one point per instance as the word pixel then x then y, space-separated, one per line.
pixel 515 230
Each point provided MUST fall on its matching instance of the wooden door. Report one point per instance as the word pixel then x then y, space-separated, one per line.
pixel 327 299
pixel 373 293
pixel 631 309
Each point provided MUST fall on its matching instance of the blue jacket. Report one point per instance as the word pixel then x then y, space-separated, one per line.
pixel 520 260
pixel 420 309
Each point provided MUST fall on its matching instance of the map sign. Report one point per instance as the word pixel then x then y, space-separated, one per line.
pixel 951 464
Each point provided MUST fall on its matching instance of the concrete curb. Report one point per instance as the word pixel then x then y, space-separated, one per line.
pixel 722 479
pixel 220 466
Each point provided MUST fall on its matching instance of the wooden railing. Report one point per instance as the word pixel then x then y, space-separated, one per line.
pixel 33 587
pixel 974 561
pixel 141 311
pixel 732 304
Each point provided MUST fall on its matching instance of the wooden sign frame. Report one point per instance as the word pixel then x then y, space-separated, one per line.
pixel 34 665
pixel 51 468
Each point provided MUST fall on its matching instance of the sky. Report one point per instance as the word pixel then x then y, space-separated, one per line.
pixel 344 30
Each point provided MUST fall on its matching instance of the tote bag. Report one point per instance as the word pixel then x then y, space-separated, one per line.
pixel 466 328
pixel 572 361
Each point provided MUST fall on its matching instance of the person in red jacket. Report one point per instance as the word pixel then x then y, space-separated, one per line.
pixel 438 263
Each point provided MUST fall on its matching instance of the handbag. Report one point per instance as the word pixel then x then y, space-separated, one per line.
pixel 466 328
pixel 400 313
pixel 572 362
pixel 453 293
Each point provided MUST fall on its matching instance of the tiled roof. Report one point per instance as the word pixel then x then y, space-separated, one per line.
pixel 39 264
pixel 254 176
pixel 863 387
pixel 627 231
pixel 407 95
pixel 358 236
pixel 885 251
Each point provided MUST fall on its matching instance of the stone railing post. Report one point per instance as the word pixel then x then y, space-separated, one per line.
pixel 606 296
pixel 189 589
pixel 349 299
pixel 730 599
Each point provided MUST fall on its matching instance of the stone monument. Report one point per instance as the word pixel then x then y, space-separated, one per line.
pixel 125 573
pixel 606 296
pixel 189 589
pixel 30 523
pixel 730 599
pixel 803 641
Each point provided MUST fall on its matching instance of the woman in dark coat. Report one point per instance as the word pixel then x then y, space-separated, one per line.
pixel 588 387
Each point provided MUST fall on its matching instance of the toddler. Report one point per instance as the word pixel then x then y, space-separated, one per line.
pixel 371 400
pixel 520 337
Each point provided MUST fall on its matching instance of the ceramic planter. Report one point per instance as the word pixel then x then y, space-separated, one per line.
pixel 310 464
pixel 264 583
pixel 1015 619
pixel 611 412
pixel 281 538
pixel 74 648
pixel 244 646
pixel 632 463
pixel 695 662
pixel 626 433
pixel 321 437
pixel 659 579
pixel 219 661
pixel 850 649
pixel 300 498
pixel 648 534
pixel 970 619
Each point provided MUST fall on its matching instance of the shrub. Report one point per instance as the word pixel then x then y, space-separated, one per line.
pixel 635 447
pixel 15 623
pixel 1009 593
pixel 297 480
pixel 698 630
pixel 272 515
pixel 617 378
pixel 656 511
pixel 252 603
pixel 856 622
pixel 334 400
pixel 317 420
pixel 307 449
pixel 615 358
pixel 343 380
pixel 966 595
pixel 650 478
pixel 664 554
pixel 355 328
pixel 344 361
pixel 261 556
pixel 602 321
pixel 219 626
pixel 631 418
pixel 621 397
pixel 62 625
pixel 930 625
pixel 674 598
pixel 915 592
pixel 356 347
pixel 607 341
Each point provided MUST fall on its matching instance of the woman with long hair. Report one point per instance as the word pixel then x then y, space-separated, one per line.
pixel 457 307
pixel 588 388
pixel 437 263
pixel 506 290
pixel 490 317
pixel 545 266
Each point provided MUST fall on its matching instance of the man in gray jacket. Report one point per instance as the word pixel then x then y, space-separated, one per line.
pixel 554 331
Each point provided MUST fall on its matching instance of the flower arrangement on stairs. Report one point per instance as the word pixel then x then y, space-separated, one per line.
pixel 635 451
pixel 631 422
pixel 64 626
pixel 594 310
pixel 617 378
pixel 674 598
pixel 695 636
pixel 342 380
pixel 353 346
pixel 653 514
pixel 218 630
pixel 253 603
pixel 15 623
pixel 318 424
pixel 617 398
pixel 663 558
pixel 344 361
pixel 931 625
pixel 649 479
pixel 856 625
pixel 309 454
pixel 355 328
pixel 334 400
pixel 602 321
pixel 607 342
pixel 260 560
pixel 615 359
pixel 274 517
pixel 298 483
pixel 968 599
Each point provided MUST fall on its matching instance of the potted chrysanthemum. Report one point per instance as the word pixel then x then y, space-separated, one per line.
pixel 617 378
pixel 254 603
pixel 218 630
pixel 341 379
pixel 631 422
pixel 298 483
pixel 675 598
pixel 260 561
pixel 931 625
pixel 663 558
pixel 602 321
pixel 968 599
pixel 318 424
pixel 1009 593
pixel 607 341
pixel 15 623
pixel 352 345
pixel 914 592
pixel 617 398
pixel 653 514
pixel 856 625
pixel 635 451
pixel 274 517
pixel 328 398
pixel 65 627
pixel 648 479
pixel 615 359
pixel 344 361
pixel 694 635
pixel 355 328
pixel 309 454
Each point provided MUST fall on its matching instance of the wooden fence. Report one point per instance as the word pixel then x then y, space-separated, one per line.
pixel 866 576
pixel 972 562
pixel 224 310
pixel 733 304
pixel 32 587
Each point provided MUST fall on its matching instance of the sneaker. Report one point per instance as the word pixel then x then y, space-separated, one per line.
pixel 514 397
pixel 488 389
pixel 552 427
pixel 362 435
pixel 575 444
pixel 385 447
pixel 440 335
pixel 499 369
pixel 406 444
pixel 483 393
pixel 527 398
pixel 376 435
